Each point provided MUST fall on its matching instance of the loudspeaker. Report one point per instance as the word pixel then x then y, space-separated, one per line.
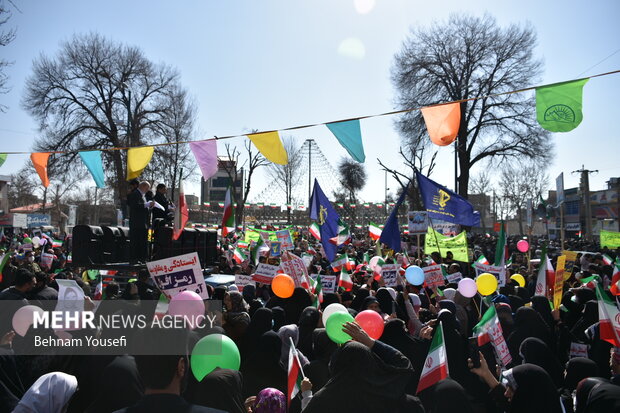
pixel 201 241
pixel 212 252
pixel 87 245
pixel 115 244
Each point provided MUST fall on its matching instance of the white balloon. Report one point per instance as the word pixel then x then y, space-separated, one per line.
pixel 23 318
pixel 331 309
pixel 36 241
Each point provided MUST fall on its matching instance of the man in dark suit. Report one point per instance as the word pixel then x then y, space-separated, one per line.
pixel 138 222
pixel 161 199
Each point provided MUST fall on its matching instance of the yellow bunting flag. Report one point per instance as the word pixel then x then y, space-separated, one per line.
pixel 39 160
pixel 270 145
pixel 137 159
pixel 442 122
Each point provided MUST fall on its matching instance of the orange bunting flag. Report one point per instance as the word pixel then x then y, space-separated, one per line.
pixel 137 159
pixel 270 145
pixel 442 122
pixel 39 160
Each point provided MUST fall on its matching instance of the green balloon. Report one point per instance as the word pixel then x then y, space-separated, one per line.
pixel 27 241
pixel 335 322
pixel 214 350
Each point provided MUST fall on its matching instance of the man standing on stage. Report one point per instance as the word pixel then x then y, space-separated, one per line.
pixel 161 199
pixel 138 222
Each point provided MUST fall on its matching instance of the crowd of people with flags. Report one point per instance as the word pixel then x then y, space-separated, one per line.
pixel 543 335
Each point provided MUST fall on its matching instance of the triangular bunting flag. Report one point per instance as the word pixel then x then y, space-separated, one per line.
pixel 205 153
pixel 442 122
pixel 92 160
pixel 137 159
pixel 39 160
pixel 349 135
pixel 270 145
pixel 2 158
pixel 558 106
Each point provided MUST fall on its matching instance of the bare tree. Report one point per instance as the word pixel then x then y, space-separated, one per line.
pixel 520 182
pixel 473 58
pixel 6 37
pixel 480 184
pixel 97 94
pixel 287 177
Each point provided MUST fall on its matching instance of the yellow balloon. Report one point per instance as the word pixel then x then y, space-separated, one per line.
pixel 486 283
pixel 519 279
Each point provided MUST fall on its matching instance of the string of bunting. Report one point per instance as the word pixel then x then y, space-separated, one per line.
pixel 558 109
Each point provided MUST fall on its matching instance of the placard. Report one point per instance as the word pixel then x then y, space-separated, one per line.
pixel 264 273
pixel 284 237
pixel 418 222
pixel 275 249
pixel 578 350
pixel 294 266
pixel 433 276
pixel 242 280
pixel 559 281
pixel 498 271
pixel 389 273
pixel 46 260
pixel 328 283
pixel 175 274
pixel 20 220
pixel 454 278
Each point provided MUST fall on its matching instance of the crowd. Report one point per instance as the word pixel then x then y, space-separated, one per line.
pixel 363 375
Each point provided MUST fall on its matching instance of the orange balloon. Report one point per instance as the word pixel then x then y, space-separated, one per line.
pixel 283 285
pixel 442 122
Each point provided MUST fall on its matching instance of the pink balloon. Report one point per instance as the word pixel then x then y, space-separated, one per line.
pixel 467 287
pixel 43 241
pixel 187 304
pixel 373 262
pixel 523 245
pixel 23 318
pixel 371 322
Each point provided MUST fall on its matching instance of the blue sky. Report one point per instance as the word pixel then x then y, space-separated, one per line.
pixel 274 64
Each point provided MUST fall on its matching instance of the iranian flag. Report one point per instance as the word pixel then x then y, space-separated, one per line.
pixel 242 244
pixel 481 260
pixel 295 373
pixel 260 247
pixel 318 290
pixel 345 280
pixel 344 234
pixel 501 249
pixel 489 330
pixel 374 231
pixel 436 363
pixel 545 274
pixel 366 259
pixel 181 214
pixel 3 261
pixel 340 261
pixel 607 259
pixel 615 280
pixel 228 220
pixel 58 243
pixel 315 230
pixel 376 272
pixel 239 256
pixel 350 264
pixel 609 317
pixel 98 295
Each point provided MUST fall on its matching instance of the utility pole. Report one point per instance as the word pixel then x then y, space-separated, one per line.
pixel 309 171
pixel 584 186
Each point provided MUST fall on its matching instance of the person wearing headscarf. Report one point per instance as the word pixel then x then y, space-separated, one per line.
pixel 287 333
pixel 577 369
pixel 236 318
pixel 261 322
pixel 263 369
pixel 534 351
pixel 219 293
pixel 588 317
pixel 279 318
pixel 120 386
pixel 294 305
pixel 269 400
pixel 49 394
pixel 603 398
pixel 371 303
pixel 358 300
pixel 318 369
pixel 449 396
pixel 504 314
pixel 386 302
pixel 11 385
pixel 308 321
pixel 584 388
pixel 526 388
pixel 329 298
pixel 528 323
pixel 413 348
pixel 368 377
pixel 220 389
pixel 541 305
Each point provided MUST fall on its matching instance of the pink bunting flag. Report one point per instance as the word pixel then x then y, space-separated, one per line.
pixel 205 153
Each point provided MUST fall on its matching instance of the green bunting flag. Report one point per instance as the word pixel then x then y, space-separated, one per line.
pixel 2 158
pixel 558 106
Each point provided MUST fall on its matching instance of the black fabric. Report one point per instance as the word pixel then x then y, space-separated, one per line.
pixel 584 388
pixel 120 386
pixel 220 389
pixel 528 323
pixel 413 348
pixel 318 369
pixel 308 321
pixel 363 380
pixel 164 403
pixel 506 320
pixel 385 300
pixel 604 397
pixel 535 391
pixel 577 369
pixel 279 318
pixel 449 396
pixel 261 322
pixel 11 387
pixel 456 349
pixel 263 369
pixel 138 218
pixel 158 213
pixel 589 316
pixel 329 298
pixel 535 351
pixel 358 301
pixel 541 305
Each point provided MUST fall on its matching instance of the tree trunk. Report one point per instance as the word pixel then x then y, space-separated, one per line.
pixel 464 156
pixel 119 192
pixel 521 221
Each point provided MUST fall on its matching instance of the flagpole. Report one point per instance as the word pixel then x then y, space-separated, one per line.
pixel 435 235
pixel 297 357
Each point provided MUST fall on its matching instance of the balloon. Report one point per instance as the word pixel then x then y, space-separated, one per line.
pixel 334 327
pixel 27 240
pixel 373 262
pixel 487 283
pixel 519 279
pixel 523 245
pixel 23 318
pixel 372 323
pixel 283 285
pixel 36 241
pixel 467 287
pixel 331 309
pixel 43 241
pixel 214 350
pixel 187 304
pixel 415 275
